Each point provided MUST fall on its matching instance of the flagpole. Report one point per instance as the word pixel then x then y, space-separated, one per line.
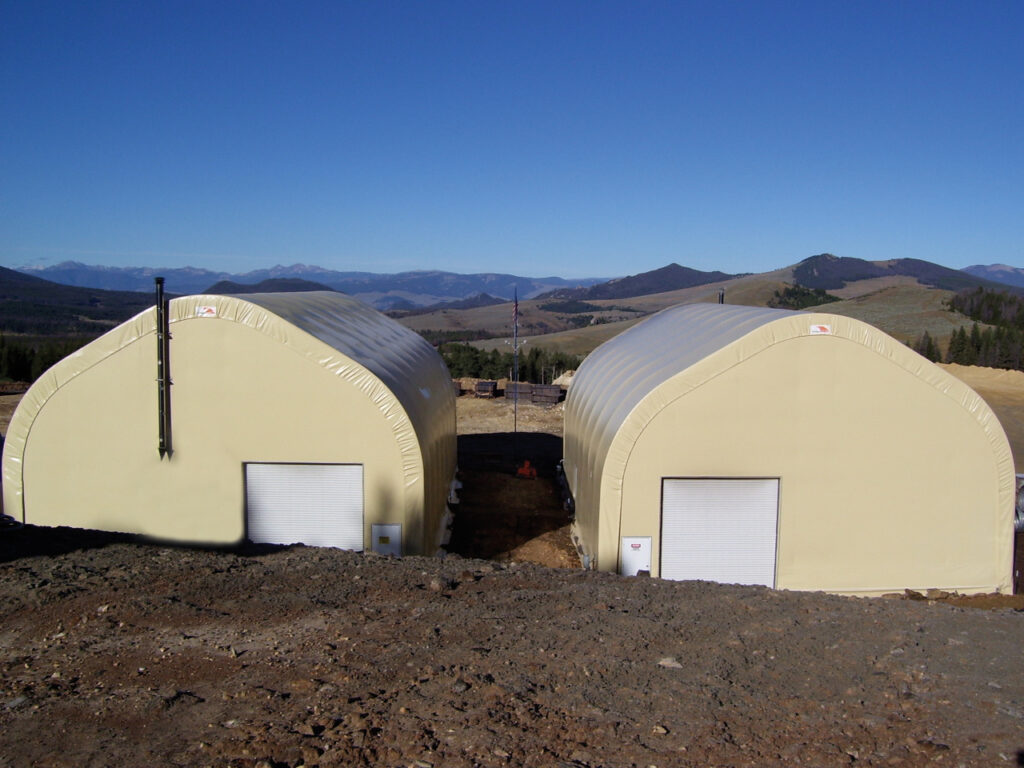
pixel 515 364
pixel 515 376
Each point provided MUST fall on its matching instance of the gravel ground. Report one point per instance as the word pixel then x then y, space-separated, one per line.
pixel 124 653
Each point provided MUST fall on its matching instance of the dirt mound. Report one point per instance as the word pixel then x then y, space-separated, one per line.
pixel 1008 384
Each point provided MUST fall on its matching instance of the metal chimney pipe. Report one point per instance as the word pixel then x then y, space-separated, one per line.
pixel 163 369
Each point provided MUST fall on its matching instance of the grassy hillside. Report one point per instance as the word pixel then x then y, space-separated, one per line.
pixel 536 321
pixel 496 320
pixel 31 305
pixel 672 276
pixel 578 341
pixel 904 312
pixel 751 290
pixel 830 272
pixel 897 303
pixel 900 307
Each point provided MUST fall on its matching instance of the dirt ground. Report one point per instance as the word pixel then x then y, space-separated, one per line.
pixel 480 415
pixel 505 517
pixel 8 402
pixel 115 651
pixel 121 653
pixel 502 516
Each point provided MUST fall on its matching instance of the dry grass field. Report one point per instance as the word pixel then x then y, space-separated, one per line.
pixel 577 341
pixel 899 306
pixel 1004 393
pixel 7 405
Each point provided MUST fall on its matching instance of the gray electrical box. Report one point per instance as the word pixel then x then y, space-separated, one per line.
pixel 386 539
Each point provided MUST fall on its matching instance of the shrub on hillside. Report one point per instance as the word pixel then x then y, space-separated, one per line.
pixel 799 297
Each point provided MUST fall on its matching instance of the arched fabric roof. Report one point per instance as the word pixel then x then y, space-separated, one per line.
pixel 394 367
pixel 401 359
pixel 624 384
pixel 620 373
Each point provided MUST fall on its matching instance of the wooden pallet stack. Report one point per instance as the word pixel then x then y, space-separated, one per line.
pixel 486 389
pixel 524 388
pixel 546 394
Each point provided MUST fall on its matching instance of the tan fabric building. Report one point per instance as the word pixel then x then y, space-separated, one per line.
pixel 797 450
pixel 294 417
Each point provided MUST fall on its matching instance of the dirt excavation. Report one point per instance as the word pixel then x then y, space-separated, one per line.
pixel 116 651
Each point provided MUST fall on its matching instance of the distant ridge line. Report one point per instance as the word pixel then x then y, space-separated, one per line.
pixel 418 290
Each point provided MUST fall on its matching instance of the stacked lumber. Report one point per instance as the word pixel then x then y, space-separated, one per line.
pixel 486 389
pixel 546 394
pixel 524 389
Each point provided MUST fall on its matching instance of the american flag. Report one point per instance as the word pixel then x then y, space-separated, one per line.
pixel 515 308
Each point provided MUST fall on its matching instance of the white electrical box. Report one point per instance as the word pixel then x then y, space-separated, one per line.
pixel 635 555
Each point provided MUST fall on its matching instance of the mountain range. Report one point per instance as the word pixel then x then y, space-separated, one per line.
pixel 31 304
pixel 830 272
pixel 1000 273
pixel 417 290
pixel 272 285
pixel 404 290
pixel 668 278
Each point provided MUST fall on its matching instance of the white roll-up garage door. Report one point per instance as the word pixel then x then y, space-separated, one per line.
pixel 720 530
pixel 316 504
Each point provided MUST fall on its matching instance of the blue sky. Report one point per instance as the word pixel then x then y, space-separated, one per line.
pixel 538 138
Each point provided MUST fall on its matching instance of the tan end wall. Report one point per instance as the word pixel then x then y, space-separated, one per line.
pixel 886 481
pixel 239 395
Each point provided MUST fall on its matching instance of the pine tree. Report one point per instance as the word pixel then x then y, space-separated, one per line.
pixel 957 352
pixel 926 346
pixel 973 346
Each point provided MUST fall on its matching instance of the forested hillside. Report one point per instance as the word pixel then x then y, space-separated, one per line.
pixel 998 345
pixel 42 322
pixel 539 366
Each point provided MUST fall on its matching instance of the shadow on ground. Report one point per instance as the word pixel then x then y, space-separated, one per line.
pixel 505 517
pixel 504 451
pixel 38 541
pixel 33 541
